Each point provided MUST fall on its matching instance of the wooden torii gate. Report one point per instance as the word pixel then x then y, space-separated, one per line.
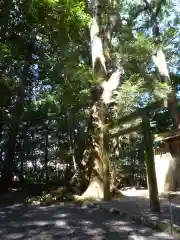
pixel 145 128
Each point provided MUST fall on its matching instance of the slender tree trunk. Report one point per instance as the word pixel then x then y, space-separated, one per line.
pixel 1 120
pixel 101 94
pixel 7 172
pixel 69 120
pixel 46 141
pixel 24 140
pixel 71 145
pixel 1 124
pixel 9 166
pixel 22 167
pixel 81 176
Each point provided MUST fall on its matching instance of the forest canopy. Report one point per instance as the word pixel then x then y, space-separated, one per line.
pixel 57 60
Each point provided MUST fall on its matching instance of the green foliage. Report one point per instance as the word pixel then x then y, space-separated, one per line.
pixel 45 52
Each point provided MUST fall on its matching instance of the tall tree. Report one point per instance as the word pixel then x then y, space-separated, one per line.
pixel 21 60
pixel 101 96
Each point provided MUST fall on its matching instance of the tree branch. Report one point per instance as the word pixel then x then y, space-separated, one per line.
pixel 139 10
pixel 155 13
pixel 114 22
pixel 158 8
pixel 148 5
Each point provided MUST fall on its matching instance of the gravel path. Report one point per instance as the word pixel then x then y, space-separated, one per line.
pixel 68 222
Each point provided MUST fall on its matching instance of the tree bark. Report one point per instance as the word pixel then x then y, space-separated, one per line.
pixel 98 161
pixel 101 95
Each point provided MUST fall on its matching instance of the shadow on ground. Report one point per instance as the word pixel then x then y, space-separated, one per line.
pixel 140 205
pixel 22 221
pixel 14 196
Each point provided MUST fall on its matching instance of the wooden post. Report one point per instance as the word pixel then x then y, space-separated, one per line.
pixel 150 165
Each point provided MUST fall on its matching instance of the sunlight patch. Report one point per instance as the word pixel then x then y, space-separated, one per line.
pixel 61 215
pixel 61 223
pixel 14 236
pixel 31 223
pixel 42 223
pixel 95 231
pixel 85 222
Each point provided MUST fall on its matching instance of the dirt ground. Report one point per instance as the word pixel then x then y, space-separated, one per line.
pixel 25 222
pixel 139 201
pixel 62 222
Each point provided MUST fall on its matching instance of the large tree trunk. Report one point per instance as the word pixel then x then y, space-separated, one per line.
pixel 97 187
pixel 98 165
